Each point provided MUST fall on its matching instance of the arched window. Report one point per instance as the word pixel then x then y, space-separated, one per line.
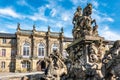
pixel 41 50
pixel 26 49
pixel 54 47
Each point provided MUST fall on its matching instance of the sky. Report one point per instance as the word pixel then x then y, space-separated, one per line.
pixel 58 14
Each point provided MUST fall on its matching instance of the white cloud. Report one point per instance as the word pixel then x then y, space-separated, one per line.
pixel 53 12
pixel 75 2
pixel 59 24
pixel 22 26
pixel 95 4
pixel 42 28
pixel 3 31
pixel 108 19
pixel 60 17
pixel 11 26
pixel 66 16
pixel 9 12
pixel 24 3
pixel 102 20
pixel 109 34
pixel 39 15
pixel 36 17
pixel 101 17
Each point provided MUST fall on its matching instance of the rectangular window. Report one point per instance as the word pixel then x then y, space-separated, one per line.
pixel 12 52
pixel 4 41
pixel 41 52
pixel 3 52
pixel 13 41
pixel 25 64
pixel 2 64
pixel 26 51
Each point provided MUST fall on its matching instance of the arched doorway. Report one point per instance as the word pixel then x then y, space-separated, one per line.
pixel 41 65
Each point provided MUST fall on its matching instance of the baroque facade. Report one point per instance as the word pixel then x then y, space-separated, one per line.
pixel 25 50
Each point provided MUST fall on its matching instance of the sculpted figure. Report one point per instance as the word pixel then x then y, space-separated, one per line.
pixel 87 10
pixel 77 15
pixel 112 63
pixel 95 32
pixel 56 58
pixel 86 21
pixel 96 53
pixel 56 67
pixel 83 23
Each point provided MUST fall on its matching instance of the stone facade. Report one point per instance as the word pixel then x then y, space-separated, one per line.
pixel 25 50
pixel 7 51
pixel 11 49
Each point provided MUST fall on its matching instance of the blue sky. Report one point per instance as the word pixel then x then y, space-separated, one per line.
pixel 57 14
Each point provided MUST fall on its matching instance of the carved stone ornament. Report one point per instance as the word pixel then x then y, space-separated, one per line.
pixel 88 57
pixel 56 67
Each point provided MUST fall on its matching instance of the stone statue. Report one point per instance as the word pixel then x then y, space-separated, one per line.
pixel 77 15
pixel 95 32
pixel 56 67
pixel 87 21
pixel 112 63
pixel 83 23
pixel 88 56
pixel 87 10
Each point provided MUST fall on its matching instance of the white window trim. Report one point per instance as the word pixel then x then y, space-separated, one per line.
pixel 54 47
pixel 26 56
pixel 26 65
pixel 2 65
pixel 40 56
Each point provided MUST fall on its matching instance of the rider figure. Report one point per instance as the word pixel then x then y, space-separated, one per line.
pixel 77 15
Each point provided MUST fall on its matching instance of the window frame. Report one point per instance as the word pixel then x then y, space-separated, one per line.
pixel 3 53
pixel 26 50
pixel 26 64
pixel 54 47
pixel 41 50
pixel 3 64
pixel 4 41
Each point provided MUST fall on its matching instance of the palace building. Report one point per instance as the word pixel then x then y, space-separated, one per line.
pixel 25 50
